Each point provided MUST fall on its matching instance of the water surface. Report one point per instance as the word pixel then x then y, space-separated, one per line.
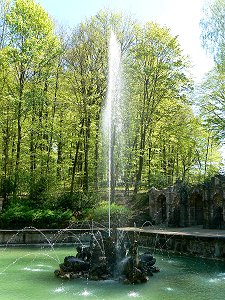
pixel 28 273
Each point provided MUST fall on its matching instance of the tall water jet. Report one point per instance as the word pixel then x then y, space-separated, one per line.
pixel 112 113
pixel 107 257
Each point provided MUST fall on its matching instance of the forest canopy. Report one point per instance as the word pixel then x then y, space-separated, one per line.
pixel 53 86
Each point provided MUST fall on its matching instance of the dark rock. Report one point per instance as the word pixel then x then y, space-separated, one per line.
pixel 74 264
pixel 102 260
pixel 83 252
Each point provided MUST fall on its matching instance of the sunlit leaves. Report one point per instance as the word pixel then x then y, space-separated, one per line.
pixel 31 39
pixel 212 103
pixel 53 90
pixel 213 30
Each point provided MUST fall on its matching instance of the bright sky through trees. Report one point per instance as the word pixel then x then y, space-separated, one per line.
pixel 182 16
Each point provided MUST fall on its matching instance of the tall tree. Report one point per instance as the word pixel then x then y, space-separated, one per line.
pixel 87 59
pixel 157 73
pixel 211 96
pixel 212 89
pixel 31 45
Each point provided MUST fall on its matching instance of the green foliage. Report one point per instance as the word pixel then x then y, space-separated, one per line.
pixel 7 187
pixel 31 33
pixel 21 214
pixel 120 215
pixel 16 216
pixel 38 190
pixel 52 90
pixel 211 101
pixel 213 30
pixel 47 218
pixel 78 202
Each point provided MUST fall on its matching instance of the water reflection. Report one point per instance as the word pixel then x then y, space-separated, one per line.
pixel 84 293
pixel 133 294
pixel 169 289
pixel 60 289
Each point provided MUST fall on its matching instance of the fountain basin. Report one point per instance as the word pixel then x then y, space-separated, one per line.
pixel 192 241
pixel 27 273
pixel 30 236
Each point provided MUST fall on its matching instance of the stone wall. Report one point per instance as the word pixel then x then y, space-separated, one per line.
pixel 182 205
pixel 204 246
pixel 44 236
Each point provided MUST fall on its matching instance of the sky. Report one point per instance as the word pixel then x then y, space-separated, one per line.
pixel 181 16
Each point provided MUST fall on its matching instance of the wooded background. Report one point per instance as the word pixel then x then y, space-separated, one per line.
pixel 53 85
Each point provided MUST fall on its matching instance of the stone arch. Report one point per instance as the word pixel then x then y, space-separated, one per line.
pixel 175 212
pixel 218 218
pixel 161 208
pixel 196 216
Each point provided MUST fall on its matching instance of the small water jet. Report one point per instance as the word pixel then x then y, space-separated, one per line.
pixel 105 259
pixel 182 277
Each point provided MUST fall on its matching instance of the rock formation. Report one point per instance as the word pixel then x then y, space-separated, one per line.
pixel 103 259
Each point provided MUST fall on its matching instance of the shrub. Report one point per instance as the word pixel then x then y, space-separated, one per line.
pixel 47 218
pixel 39 191
pixel 16 217
pixel 22 214
pixel 78 202
pixel 6 187
pixel 119 214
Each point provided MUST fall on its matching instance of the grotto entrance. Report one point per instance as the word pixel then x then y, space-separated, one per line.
pixel 218 221
pixel 196 209
pixel 161 208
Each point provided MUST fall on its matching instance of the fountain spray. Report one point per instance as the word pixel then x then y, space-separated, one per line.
pixel 110 114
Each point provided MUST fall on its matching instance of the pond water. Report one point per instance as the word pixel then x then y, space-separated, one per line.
pixel 28 273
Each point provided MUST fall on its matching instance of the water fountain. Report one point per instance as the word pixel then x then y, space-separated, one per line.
pixel 112 121
pixel 105 258
pixel 26 273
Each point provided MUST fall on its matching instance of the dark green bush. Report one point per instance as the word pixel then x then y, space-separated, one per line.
pixel 39 191
pixel 46 218
pixel 78 202
pixel 7 186
pixel 119 214
pixel 21 214
pixel 16 217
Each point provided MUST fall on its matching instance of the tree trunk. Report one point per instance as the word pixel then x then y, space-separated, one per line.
pixel 5 145
pixel 86 155
pixel 19 127
pixel 59 157
pixel 141 160
pixel 143 127
pixel 53 118
pixel 75 160
pixel 206 157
